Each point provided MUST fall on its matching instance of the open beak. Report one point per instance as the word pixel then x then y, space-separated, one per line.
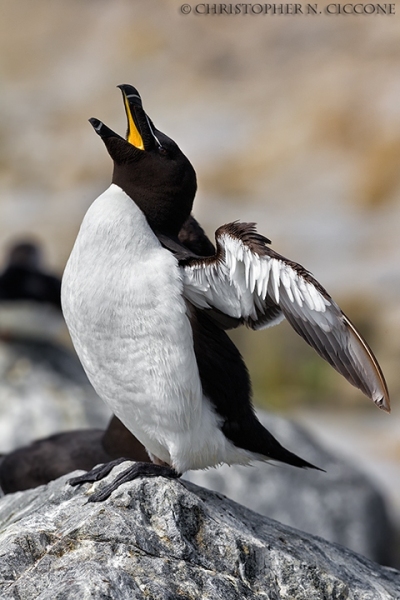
pixel 134 114
pixel 140 133
pixel 102 130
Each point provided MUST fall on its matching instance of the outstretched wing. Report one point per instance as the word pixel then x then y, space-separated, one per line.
pixel 247 280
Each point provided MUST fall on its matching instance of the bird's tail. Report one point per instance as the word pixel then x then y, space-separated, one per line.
pixel 253 436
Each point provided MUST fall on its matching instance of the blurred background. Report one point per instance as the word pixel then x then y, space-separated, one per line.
pixel 290 121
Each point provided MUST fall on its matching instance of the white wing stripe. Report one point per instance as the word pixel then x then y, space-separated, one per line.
pixel 276 264
pixel 261 276
pixel 285 277
pixel 298 296
pixel 262 283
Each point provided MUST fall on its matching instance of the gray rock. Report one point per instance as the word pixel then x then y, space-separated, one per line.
pixel 342 505
pixel 163 539
pixel 43 390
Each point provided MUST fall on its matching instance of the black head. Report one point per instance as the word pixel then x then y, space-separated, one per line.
pixel 25 254
pixel 150 167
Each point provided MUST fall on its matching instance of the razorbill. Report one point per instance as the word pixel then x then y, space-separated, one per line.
pixel 147 313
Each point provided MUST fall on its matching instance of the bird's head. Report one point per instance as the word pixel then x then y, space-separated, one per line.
pixel 150 167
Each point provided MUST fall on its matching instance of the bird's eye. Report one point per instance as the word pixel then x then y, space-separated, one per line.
pixel 162 151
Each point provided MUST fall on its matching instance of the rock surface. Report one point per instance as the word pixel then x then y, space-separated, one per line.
pixel 341 505
pixel 163 539
pixel 43 390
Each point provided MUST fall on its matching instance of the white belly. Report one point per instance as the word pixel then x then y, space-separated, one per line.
pixel 123 304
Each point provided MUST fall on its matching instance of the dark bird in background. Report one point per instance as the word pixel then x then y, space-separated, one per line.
pixel 25 278
pixel 30 298
pixel 148 312
pixel 47 459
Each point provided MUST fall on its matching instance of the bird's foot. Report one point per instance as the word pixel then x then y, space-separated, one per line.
pixel 138 469
pixel 97 473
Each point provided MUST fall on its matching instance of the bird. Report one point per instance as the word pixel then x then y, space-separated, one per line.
pixel 24 277
pixel 46 459
pixel 30 295
pixel 148 301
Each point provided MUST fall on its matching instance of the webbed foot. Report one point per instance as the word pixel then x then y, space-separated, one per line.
pixel 138 469
pixel 97 473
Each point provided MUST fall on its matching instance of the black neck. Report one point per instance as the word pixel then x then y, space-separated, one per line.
pixel 166 208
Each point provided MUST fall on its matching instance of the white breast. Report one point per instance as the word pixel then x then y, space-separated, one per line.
pixel 123 304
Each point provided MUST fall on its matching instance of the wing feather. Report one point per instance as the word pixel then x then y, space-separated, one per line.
pixel 247 280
